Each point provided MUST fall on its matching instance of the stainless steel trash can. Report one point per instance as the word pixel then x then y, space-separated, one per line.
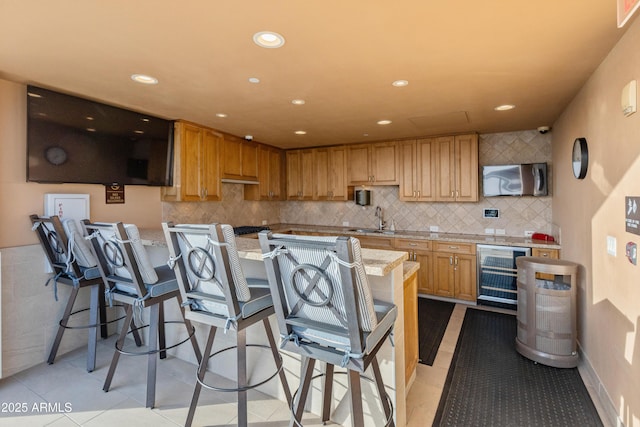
pixel 547 331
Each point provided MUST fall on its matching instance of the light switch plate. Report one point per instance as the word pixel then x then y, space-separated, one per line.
pixel 434 228
pixel 489 231
pixel 611 245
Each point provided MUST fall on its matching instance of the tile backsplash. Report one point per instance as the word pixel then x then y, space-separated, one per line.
pixel 517 214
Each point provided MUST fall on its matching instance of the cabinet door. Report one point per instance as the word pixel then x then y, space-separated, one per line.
pixel 375 242
pixel 239 159
pixel 210 172
pixel 466 169
pixel 249 157
pixel 425 274
pixel 465 277
pixel 338 172
pixel 445 168
pixel 299 174
pixel 443 279
pixel 358 164
pixel 191 163
pixel 275 174
pixel 408 169
pixel 262 191
pixel 322 185
pixel 425 174
pixel 306 174
pixel 385 163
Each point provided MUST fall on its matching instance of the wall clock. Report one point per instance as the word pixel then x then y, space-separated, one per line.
pixel 580 158
pixel 55 155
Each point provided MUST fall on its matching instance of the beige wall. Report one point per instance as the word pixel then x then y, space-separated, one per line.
pixel 589 210
pixel 19 198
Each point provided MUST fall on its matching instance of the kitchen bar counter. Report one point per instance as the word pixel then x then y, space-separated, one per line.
pixel 425 235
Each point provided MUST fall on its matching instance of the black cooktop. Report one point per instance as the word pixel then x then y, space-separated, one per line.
pixel 248 229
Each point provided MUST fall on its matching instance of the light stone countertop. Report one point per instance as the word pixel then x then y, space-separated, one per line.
pixel 377 262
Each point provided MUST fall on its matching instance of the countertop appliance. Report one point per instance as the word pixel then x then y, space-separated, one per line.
pixel 529 179
pixel 498 274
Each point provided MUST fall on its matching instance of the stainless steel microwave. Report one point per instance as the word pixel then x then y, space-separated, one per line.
pixel 528 179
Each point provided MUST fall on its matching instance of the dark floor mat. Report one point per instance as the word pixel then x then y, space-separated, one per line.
pixel 433 317
pixel 490 384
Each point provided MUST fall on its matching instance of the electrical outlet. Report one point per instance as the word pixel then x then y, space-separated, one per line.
pixel 528 234
pixel 611 246
pixel 264 222
pixel 434 228
pixel 500 232
pixel 345 223
pixel 489 231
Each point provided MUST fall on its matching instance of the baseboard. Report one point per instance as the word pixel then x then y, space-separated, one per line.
pixel 598 392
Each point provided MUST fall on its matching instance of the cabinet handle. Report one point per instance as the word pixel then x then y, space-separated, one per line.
pixel 457 194
pixel 454 247
pixel 456 263
pixel 451 260
pixel 545 254
pixel 373 178
pixel 452 194
pixel 418 194
pixel 415 256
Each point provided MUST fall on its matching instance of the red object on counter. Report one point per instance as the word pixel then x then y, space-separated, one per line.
pixel 542 236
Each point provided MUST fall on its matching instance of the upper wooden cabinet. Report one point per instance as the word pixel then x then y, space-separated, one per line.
pixel 417 170
pixel 299 165
pixel 373 164
pixel 270 175
pixel 239 159
pixel 196 175
pixel 456 161
pixel 329 173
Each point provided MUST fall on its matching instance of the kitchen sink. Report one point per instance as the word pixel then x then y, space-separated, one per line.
pixel 371 230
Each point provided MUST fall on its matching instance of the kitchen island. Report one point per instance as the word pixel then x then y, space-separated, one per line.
pixel 384 269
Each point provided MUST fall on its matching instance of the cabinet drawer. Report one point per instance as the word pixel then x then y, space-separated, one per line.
pixel 455 247
pixel 545 253
pixel 412 245
pixel 375 242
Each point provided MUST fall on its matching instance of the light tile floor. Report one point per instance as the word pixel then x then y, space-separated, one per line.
pixel 64 394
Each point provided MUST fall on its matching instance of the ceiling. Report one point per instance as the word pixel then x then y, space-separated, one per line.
pixel 461 59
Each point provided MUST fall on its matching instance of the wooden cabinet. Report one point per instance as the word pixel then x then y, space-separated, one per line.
pixel 239 159
pixel 417 170
pixel 456 168
pixel 270 175
pixel 196 174
pixel 419 251
pixel 329 181
pixel 299 166
pixel 375 242
pixel 454 270
pixel 373 164
pixel 411 339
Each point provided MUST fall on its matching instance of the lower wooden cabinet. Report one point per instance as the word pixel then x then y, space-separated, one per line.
pixel 411 340
pixel 454 270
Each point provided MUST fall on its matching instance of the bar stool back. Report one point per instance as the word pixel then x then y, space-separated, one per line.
pixel 213 284
pixel 326 312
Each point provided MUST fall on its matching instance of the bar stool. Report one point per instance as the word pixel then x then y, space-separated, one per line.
pixel 73 265
pixel 133 281
pixel 326 312
pixel 219 296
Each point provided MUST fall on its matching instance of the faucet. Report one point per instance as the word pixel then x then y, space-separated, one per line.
pixel 381 221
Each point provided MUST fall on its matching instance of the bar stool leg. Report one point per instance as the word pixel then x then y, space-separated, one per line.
pixel 356 398
pixel 161 334
pixel 242 377
pixel 277 358
pixel 202 369
pixel 63 324
pixel 381 391
pixel 152 358
pixel 119 343
pixel 93 332
pixel 328 388
pixel 306 373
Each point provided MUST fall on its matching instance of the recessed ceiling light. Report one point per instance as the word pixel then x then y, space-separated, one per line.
pixel 384 122
pixel 365 134
pixel 248 137
pixel 504 107
pixel 89 118
pixel 144 79
pixel 400 83
pixel 268 39
pixel 300 132
pixel 144 119
pixel 139 132
pixel 254 80
pixel 298 102
pixel 221 115
pixel 91 129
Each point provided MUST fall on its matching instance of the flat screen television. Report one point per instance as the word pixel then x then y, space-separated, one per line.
pixel 75 140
